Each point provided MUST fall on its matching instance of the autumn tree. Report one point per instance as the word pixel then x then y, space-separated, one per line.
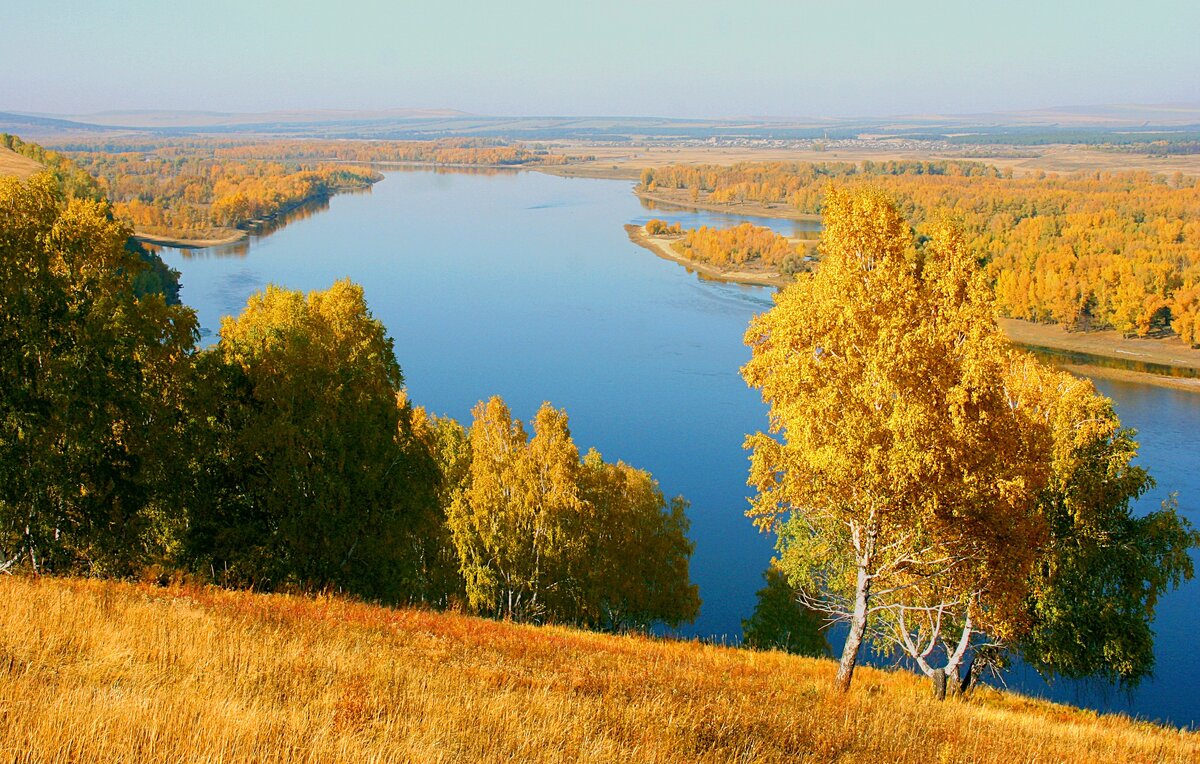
pixel 314 478
pixel 895 457
pixel 509 524
pixel 91 389
pixel 937 490
pixel 543 535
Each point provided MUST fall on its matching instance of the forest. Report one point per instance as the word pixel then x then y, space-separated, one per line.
pixel 1090 250
pixel 208 188
pixel 287 456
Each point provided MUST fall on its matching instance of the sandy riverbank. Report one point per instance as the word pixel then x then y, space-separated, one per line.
pixel 682 198
pixel 1169 352
pixel 1187 384
pixel 661 246
pixel 185 243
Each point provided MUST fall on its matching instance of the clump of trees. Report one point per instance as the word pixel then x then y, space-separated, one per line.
pixel 541 533
pixel 73 182
pixel 940 492
pixel 1087 250
pixel 287 455
pixel 740 246
pixel 656 227
pixel 93 383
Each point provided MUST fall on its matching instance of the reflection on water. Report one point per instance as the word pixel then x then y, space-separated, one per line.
pixel 693 217
pixel 258 229
pixel 441 169
pixel 526 285
pixel 1070 357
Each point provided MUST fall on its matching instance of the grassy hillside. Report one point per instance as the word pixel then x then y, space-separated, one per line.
pixel 101 671
pixel 12 163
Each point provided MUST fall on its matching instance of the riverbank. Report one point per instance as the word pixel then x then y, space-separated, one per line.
pixel 220 236
pixel 661 246
pixel 1166 362
pixel 183 242
pixel 677 197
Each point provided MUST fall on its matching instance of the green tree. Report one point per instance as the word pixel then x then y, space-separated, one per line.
pixel 781 622
pixel 634 568
pixel 91 389
pixel 314 477
pixel 1092 594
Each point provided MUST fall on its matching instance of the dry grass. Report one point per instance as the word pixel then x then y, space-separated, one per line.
pixel 95 671
pixel 12 163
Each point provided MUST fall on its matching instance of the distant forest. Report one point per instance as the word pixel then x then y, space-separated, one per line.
pixel 1090 250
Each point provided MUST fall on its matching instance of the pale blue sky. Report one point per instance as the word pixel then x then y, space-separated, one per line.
pixel 668 58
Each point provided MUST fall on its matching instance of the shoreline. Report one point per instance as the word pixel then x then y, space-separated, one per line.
pixel 186 243
pixel 1168 353
pixel 1185 384
pixel 1089 349
pixel 680 198
pixel 253 226
pixel 662 248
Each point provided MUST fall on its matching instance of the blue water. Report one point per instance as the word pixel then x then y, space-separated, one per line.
pixel 527 286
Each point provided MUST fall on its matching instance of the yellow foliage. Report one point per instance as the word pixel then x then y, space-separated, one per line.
pixel 745 244
pixel 1088 250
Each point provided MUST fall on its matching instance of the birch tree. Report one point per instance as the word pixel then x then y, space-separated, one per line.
pixel 889 464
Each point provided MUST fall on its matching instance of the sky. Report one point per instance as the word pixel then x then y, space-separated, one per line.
pixel 734 58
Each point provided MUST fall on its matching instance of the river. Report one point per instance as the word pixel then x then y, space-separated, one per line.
pixel 526 285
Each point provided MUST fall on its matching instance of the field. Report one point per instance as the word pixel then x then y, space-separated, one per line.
pixel 624 161
pixel 101 671
pixel 12 163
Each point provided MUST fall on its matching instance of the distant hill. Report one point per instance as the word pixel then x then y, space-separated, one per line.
pixel 1112 124
pixel 150 119
pixel 35 126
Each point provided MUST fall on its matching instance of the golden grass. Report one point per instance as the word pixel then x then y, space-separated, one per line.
pixel 98 671
pixel 12 163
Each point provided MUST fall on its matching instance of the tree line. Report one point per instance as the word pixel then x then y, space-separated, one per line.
pixel 203 196
pixel 203 188
pixel 1087 250
pixel 287 455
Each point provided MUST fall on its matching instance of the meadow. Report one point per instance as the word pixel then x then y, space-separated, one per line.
pixel 107 671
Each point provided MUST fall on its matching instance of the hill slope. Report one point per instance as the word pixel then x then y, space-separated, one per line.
pixel 12 163
pixel 101 671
